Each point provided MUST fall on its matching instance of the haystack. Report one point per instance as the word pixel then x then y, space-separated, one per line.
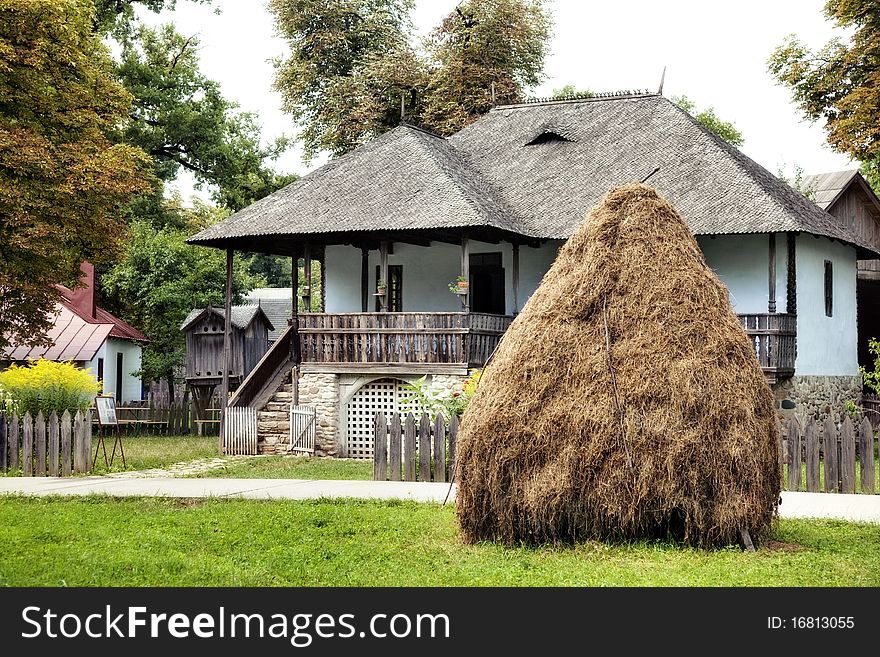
pixel 625 401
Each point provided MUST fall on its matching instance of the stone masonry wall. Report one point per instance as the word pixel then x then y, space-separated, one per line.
pixel 816 396
pixel 321 390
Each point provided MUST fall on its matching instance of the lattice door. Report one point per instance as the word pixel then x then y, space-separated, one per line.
pixel 384 395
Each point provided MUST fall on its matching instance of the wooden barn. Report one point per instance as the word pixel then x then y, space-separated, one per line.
pixel 204 329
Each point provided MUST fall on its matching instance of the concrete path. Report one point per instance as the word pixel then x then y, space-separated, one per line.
pixel 862 508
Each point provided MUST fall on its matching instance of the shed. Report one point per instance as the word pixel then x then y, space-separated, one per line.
pixel 204 343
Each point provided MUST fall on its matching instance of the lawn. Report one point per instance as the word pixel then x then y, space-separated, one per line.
pixel 100 541
pixel 294 467
pixel 146 452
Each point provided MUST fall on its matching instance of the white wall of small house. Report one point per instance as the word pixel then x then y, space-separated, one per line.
pixel 131 362
pixel 826 346
pixel 427 272
pixel 742 264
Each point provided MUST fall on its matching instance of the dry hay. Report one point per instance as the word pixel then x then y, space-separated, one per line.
pixel 674 436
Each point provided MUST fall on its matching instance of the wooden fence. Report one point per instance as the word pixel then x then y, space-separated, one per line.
pixel 399 444
pixel 824 457
pixel 820 457
pixel 38 447
pixel 175 420
pixel 240 430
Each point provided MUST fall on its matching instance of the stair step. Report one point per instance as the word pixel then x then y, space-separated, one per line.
pixel 273 415
pixel 278 406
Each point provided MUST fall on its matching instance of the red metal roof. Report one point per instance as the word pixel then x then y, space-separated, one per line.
pixel 73 338
pixel 74 334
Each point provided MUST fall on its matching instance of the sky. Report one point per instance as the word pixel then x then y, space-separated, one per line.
pixel 714 53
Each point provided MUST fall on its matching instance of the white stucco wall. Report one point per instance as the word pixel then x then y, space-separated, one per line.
pixel 826 345
pixel 131 362
pixel 427 271
pixel 741 262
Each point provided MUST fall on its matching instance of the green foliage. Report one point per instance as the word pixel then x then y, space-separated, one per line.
pixel 182 121
pixel 45 385
pixel 160 279
pixel 481 43
pixel 707 117
pixel 852 409
pixel 351 62
pixel 840 83
pixel 872 379
pixel 62 181
pixel 796 181
pixel 425 398
pixel 570 91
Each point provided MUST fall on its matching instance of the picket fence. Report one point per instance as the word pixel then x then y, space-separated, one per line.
pixel 401 449
pixel 825 457
pixel 818 457
pixel 40 447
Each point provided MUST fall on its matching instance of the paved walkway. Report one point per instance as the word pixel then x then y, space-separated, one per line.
pixel 863 508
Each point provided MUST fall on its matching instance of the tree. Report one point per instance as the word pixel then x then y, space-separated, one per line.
pixel 352 67
pixel 63 182
pixel 161 278
pixel 841 82
pixel 182 121
pixel 350 61
pixel 117 16
pixel 707 117
pixel 481 45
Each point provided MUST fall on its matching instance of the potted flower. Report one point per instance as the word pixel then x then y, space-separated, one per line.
pixel 459 286
pixel 380 288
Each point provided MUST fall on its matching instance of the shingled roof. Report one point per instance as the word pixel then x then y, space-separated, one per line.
pixel 241 316
pixel 534 170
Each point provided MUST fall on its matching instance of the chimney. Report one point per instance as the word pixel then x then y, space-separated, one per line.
pixel 83 298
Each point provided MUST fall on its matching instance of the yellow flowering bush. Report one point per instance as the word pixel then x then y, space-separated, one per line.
pixel 46 385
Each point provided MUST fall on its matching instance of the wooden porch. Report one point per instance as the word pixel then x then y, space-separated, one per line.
pixel 409 341
pixel 774 336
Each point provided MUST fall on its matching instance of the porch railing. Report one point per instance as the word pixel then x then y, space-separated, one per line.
pixel 774 337
pixel 401 338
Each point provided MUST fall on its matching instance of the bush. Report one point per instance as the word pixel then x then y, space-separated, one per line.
pixel 45 385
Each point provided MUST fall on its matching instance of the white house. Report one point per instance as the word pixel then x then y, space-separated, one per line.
pixel 492 204
pixel 92 338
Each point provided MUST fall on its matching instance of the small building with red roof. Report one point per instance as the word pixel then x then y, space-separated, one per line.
pixel 92 338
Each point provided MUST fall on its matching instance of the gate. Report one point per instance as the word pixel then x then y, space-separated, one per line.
pixel 302 429
pixel 240 431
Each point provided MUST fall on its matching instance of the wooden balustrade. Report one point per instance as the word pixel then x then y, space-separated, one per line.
pixel 401 338
pixel 774 337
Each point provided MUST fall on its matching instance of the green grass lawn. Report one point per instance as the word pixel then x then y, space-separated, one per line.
pixel 145 452
pixel 294 467
pixel 100 541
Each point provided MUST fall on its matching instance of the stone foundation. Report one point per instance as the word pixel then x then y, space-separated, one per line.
pixel 816 397
pixel 321 390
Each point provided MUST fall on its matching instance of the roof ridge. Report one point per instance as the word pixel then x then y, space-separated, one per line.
pixel 582 98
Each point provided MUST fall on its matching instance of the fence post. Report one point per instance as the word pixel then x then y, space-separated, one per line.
pixel 832 457
pixel 66 439
pixel 53 444
pixel 40 444
pixel 439 448
pixel 425 448
pixel 394 457
pixel 78 460
pixel 3 442
pixel 794 457
pixel 27 446
pixel 380 447
pixel 847 458
pixel 409 448
pixel 811 440
pixel 866 455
